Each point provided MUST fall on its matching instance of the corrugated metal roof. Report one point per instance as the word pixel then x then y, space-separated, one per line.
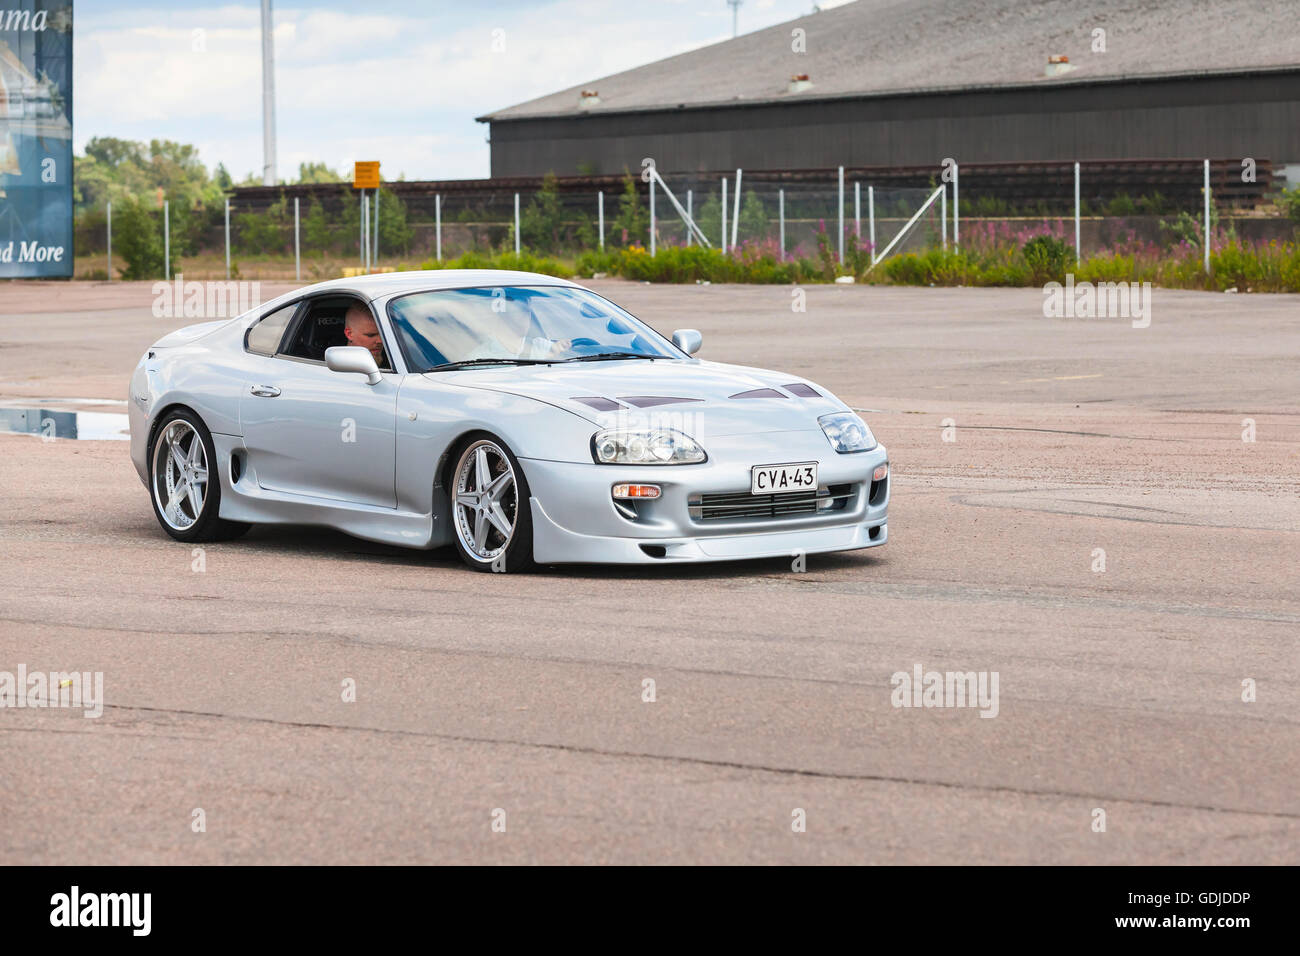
pixel 879 47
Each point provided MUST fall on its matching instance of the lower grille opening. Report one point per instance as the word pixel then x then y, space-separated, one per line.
pixel 741 504
pixel 878 491
pixel 874 533
pixel 236 469
pixel 655 550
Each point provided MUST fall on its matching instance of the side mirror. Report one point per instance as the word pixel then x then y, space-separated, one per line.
pixel 353 358
pixel 688 340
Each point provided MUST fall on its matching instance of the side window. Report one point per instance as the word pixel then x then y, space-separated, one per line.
pixel 264 337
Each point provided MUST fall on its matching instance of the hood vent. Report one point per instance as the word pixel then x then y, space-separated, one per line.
pixel 759 393
pixel 649 401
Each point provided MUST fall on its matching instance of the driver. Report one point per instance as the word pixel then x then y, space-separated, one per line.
pixel 359 328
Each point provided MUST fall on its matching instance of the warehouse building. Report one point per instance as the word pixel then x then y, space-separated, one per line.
pixel 891 84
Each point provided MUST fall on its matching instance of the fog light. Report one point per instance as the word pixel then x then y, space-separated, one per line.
pixel 880 472
pixel 636 491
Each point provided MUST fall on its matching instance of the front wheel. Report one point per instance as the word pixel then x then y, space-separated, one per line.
pixel 490 509
pixel 183 481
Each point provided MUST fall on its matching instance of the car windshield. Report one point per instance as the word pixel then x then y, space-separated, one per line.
pixel 519 324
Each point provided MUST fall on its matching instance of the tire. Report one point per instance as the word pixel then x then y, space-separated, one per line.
pixel 495 534
pixel 187 454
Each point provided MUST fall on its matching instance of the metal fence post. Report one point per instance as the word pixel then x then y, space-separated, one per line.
pixel 780 206
pixel 857 209
pixel 1078 249
pixel 437 225
pixel 652 216
pixel 690 239
pixel 735 213
pixel 1207 217
pixel 956 211
pixel 361 214
pixel 297 243
pixel 110 242
pixel 167 240
pixel 600 217
pixel 227 237
pixel 841 219
pixel 724 215
pixel 516 223
pixel 376 249
pixel 871 219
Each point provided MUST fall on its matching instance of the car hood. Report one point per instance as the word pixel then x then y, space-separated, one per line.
pixel 188 334
pixel 701 398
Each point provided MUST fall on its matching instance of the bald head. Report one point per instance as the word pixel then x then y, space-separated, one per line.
pixel 359 328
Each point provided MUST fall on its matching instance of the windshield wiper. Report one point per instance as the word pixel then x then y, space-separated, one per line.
pixel 491 361
pixel 606 356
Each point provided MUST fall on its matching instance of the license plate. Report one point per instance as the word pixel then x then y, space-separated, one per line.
pixel 779 479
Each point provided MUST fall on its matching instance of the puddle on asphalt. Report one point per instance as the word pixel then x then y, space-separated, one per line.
pixel 61 419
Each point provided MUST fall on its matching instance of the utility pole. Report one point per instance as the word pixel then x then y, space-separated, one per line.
pixel 735 16
pixel 268 96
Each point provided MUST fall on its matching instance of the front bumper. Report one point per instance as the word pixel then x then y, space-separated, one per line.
pixel 575 519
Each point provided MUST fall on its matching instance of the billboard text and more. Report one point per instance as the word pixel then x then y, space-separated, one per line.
pixel 35 138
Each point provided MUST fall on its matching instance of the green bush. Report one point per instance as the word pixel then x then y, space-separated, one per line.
pixel 1048 259
pixel 524 262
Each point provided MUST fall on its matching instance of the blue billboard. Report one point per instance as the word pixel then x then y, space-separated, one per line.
pixel 35 138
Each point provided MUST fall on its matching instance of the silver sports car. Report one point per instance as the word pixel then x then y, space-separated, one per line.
pixel 520 417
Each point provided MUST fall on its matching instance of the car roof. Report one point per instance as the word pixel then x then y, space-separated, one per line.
pixel 394 283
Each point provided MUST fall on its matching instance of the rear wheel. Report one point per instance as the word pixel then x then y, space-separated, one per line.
pixel 183 483
pixel 490 510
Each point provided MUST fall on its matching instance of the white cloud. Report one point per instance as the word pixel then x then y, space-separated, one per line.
pixel 401 87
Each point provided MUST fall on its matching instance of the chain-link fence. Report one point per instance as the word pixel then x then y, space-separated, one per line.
pixel 322 231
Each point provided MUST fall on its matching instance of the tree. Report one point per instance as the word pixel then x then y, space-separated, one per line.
pixel 541 224
pixel 138 239
pixel 317 173
pixel 394 232
pixel 632 224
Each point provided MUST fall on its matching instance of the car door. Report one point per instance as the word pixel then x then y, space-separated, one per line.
pixel 310 431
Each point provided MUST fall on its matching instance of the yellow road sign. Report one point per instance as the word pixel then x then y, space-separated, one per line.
pixel 365 176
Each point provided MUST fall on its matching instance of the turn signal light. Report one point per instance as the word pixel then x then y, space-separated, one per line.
pixel 636 491
pixel 880 472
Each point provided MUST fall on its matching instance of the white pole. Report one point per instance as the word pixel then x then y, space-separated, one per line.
pixel 167 239
pixel 724 215
pixel 956 212
pixel 943 216
pixel 516 223
pixel 361 239
pixel 268 96
pixel 437 225
pixel 376 250
pixel 841 219
pixel 110 242
pixel 652 216
pixel 1207 217
pixel 690 239
pixel 600 217
pixel 857 209
pixel 735 213
pixel 227 237
pixel 297 245
pixel 1078 249
pixel 871 218
pixel 780 205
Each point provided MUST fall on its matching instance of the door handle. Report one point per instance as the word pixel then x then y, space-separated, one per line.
pixel 265 391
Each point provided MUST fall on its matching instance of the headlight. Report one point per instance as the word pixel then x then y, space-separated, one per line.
pixel 847 432
pixel 660 446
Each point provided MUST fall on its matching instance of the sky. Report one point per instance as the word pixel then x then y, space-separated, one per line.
pixel 396 81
